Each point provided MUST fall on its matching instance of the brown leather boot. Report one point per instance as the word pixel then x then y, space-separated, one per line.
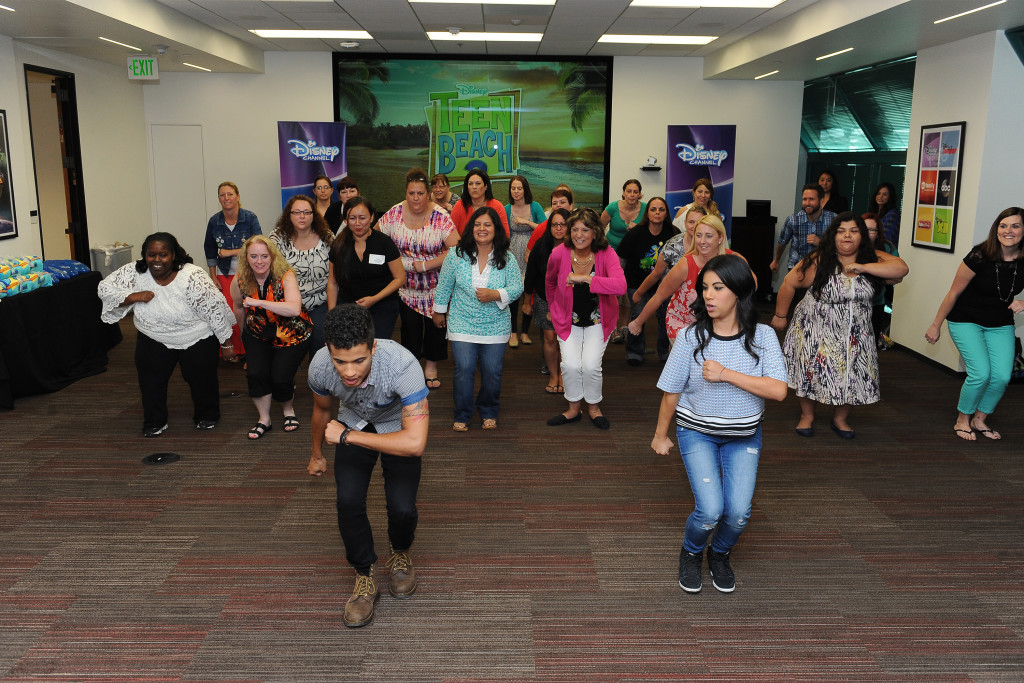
pixel 403 576
pixel 359 608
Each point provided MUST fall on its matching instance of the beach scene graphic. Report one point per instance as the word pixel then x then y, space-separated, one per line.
pixel 543 120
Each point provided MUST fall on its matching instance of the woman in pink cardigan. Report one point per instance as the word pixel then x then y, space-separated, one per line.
pixel 583 281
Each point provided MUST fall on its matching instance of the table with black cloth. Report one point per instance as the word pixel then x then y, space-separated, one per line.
pixel 52 337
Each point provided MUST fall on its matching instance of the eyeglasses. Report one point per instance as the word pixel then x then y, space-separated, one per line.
pixel 322 187
pixel 561 224
pixel 302 213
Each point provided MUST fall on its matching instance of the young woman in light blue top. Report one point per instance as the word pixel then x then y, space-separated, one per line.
pixel 478 280
pixel 716 380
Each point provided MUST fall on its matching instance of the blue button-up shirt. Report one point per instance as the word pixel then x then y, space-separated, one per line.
pixel 796 229
pixel 219 237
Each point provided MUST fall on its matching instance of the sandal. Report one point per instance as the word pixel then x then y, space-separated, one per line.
pixel 987 433
pixel 551 388
pixel 490 423
pixel 433 383
pixel 259 430
pixel 965 434
pixel 291 423
pixel 460 427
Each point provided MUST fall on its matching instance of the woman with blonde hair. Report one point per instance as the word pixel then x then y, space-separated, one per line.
pixel 277 331
pixel 704 197
pixel 680 284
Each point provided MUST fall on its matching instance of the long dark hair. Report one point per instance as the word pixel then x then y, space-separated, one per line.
pixel 181 257
pixel 343 251
pixel 467 243
pixel 467 201
pixel 547 240
pixel 286 228
pixel 645 221
pixel 527 192
pixel 826 258
pixel 889 205
pixel 736 275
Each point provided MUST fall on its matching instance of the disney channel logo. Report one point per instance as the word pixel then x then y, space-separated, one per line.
pixel 698 156
pixel 310 151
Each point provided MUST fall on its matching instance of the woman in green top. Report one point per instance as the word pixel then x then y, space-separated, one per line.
pixel 623 214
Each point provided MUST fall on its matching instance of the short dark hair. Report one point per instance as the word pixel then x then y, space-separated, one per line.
pixel 347 326
pixel 562 192
pixel 348 182
pixel 815 187
pixel 181 257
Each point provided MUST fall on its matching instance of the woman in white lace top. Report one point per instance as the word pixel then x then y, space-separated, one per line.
pixel 181 316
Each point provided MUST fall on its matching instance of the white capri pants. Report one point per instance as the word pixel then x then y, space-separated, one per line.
pixel 582 354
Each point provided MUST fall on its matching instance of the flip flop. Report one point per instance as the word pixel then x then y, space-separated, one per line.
pixel 987 433
pixel 291 423
pixel 433 383
pixel 551 389
pixel 259 430
pixel 962 432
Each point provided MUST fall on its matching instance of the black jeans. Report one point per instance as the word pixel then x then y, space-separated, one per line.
pixel 155 364
pixel 421 336
pixel 353 466
pixel 271 369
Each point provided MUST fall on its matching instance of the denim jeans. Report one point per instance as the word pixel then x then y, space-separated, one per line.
pixel 636 345
pixel 722 473
pixel 490 358
pixel 353 466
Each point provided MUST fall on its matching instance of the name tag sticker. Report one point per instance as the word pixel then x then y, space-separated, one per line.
pixel 376 259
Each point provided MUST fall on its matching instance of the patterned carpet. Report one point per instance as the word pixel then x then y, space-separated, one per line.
pixel 544 554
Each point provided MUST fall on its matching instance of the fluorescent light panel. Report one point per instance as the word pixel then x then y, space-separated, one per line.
pixel 970 11
pixel 299 33
pixel 832 54
pixel 487 2
pixel 739 4
pixel 132 47
pixel 656 40
pixel 770 73
pixel 196 66
pixel 9 9
pixel 465 36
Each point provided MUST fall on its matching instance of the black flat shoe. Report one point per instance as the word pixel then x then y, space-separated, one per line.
pixel 601 422
pixel 804 431
pixel 560 419
pixel 844 433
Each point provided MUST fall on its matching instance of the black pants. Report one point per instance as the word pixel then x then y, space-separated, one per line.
pixel 421 336
pixel 353 466
pixel 271 370
pixel 155 364
pixel 527 319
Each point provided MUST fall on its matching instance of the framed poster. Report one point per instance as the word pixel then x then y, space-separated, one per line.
pixel 938 186
pixel 8 219
pixel 543 117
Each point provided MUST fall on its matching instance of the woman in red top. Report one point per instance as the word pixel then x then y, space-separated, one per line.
pixel 478 193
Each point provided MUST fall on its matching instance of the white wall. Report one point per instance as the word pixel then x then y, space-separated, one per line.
pixel 954 82
pixel 239 114
pixel 650 93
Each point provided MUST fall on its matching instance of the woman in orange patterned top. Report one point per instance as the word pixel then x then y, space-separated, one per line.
pixel 268 307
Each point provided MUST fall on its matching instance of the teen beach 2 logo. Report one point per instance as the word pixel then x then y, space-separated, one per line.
pixel 310 151
pixel 698 156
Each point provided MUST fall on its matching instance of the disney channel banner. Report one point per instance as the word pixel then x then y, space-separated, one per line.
pixel 543 119
pixel 696 152
pixel 308 149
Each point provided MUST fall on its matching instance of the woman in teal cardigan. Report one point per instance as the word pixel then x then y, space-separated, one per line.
pixel 478 281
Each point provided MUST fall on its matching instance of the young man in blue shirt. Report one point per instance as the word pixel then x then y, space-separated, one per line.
pixel 383 414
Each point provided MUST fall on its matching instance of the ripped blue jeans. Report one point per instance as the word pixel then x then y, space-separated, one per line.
pixel 722 472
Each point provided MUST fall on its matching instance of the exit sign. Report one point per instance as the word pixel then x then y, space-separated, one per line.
pixel 143 68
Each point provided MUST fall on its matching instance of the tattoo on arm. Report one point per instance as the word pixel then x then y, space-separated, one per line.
pixel 417 411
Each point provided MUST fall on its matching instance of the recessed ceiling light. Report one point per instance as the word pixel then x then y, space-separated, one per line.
pixel 196 66
pixel 763 4
pixel 656 40
pixel 770 73
pixel 832 54
pixel 115 42
pixel 293 33
pixel 348 44
pixel 970 11
pixel 488 2
pixel 464 36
